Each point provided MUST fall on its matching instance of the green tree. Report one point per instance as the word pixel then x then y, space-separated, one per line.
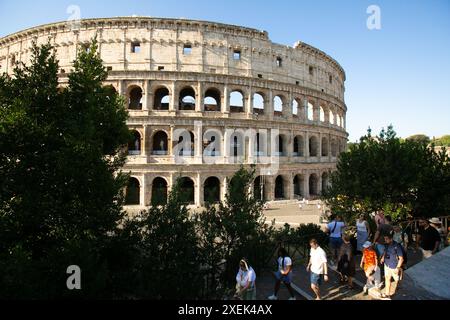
pixel 382 172
pixel 60 199
pixel 443 141
pixel 235 229
pixel 420 138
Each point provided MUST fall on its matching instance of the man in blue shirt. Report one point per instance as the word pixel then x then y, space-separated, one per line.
pixel 393 261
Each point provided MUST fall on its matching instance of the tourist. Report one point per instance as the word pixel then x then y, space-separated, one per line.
pixel 393 261
pixel 346 262
pixel 384 228
pixel 317 265
pixel 283 274
pixel 369 263
pixel 408 232
pixel 335 229
pixel 245 282
pixel 428 238
pixel 379 218
pixel 362 232
pixel 437 224
pixel 398 235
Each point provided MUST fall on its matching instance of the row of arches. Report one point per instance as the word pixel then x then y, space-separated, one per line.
pixel 160 145
pixel 212 188
pixel 213 98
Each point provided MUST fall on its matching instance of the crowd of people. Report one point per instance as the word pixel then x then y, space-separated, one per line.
pixel 383 255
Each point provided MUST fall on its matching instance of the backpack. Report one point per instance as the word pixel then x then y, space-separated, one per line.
pixel 404 253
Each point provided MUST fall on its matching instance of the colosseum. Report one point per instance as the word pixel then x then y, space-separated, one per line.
pixel 205 98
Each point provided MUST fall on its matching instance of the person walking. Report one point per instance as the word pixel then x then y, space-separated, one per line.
pixel 393 261
pixel 369 263
pixel 382 230
pixel 379 218
pixel 437 224
pixel 318 267
pixel 283 274
pixel 245 282
pixel 362 232
pixel 346 262
pixel 335 229
pixel 428 238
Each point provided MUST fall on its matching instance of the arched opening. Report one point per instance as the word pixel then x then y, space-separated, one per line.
pixel 310 111
pixel 236 101
pixel 237 145
pixel 331 117
pixel 313 185
pixel 160 143
pixel 159 191
pixel 261 146
pixel 322 114
pixel 212 100
pixel 135 99
pixel 134 145
pixel 187 99
pixel 324 147
pixel 294 108
pixel 211 190
pixel 258 103
pixel 333 148
pixel 313 146
pixel 325 181
pixel 162 99
pixel 259 188
pixel 212 143
pixel 132 192
pixel 186 147
pixel 187 190
pixel 298 147
pixel 280 146
pixel 279 188
pixel 278 105
pixel 298 186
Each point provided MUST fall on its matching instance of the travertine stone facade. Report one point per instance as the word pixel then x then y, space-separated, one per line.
pixel 201 77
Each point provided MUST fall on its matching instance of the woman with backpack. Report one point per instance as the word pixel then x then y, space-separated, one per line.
pixel 346 262
pixel 283 274
pixel 335 229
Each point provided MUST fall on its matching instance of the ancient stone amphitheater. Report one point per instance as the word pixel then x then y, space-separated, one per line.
pixel 206 97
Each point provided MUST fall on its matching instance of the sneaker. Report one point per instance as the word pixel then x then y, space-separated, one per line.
pixel 292 298
pixel 273 297
pixel 365 289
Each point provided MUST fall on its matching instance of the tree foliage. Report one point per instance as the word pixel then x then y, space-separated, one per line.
pixel 420 138
pixel 59 196
pixel 383 172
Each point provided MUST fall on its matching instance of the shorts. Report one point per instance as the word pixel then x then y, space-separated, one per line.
pixel 285 278
pixel 335 243
pixel 316 279
pixel 391 273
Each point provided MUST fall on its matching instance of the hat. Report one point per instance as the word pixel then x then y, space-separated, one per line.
pixel 435 221
pixel 367 244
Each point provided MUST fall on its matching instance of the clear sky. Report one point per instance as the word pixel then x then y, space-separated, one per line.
pixel 399 74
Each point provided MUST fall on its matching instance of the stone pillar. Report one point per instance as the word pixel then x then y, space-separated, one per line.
pixel 270 188
pixel 270 109
pixel 223 188
pixel 251 147
pixel 319 153
pixel 198 143
pixel 198 191
pixel 288 107
pixel 144 141
pixel 226 100
pixel 170 141
pixel 319 182
pixel 122 89
pixel 173 106
pixel 145 95
pixel 290 145
pixel 249 104
pixel 306 153
pixel 306 185
pixel 292 187
pixel 226 145
pixel 199 105
pixel 142 191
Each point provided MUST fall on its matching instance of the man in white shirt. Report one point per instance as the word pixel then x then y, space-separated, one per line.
pixel 318 267
pixel 283 274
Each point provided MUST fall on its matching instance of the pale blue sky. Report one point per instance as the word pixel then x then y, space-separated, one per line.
pixel 399 74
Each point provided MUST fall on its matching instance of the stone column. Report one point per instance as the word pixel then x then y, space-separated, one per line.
pixel 226 100
pixel 144 142
pixel 249 104
pixel 142 190
pixel 270 109
pixel 306 153
pixel 292 187
pixel 170 141
pixel 198 143
pixel 146 95
pixel 173 106
pixel 199 105
pixel 198 191
pixel 287 110
pixel 122 89
pixel 226 146
pixel 223 188
pixel 290 145
pixel 319 153
pixel 251 147
pixel 306 185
